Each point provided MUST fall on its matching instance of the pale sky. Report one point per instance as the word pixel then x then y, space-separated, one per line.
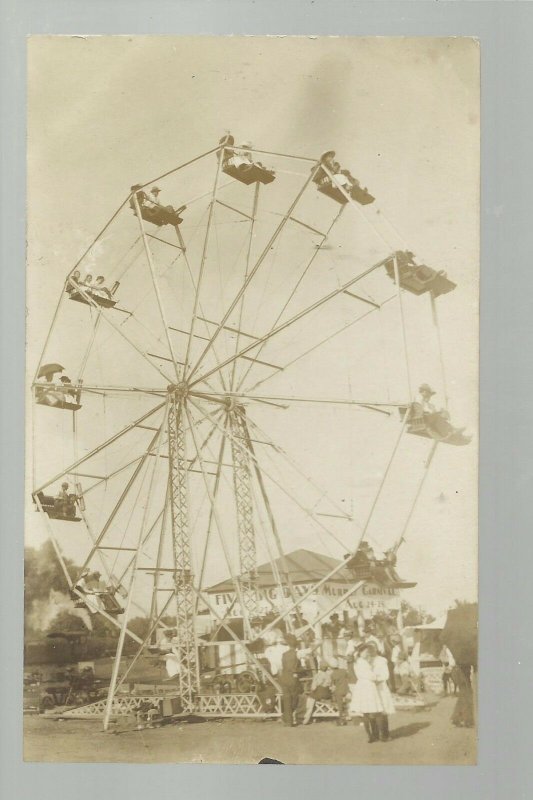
pixel 403 116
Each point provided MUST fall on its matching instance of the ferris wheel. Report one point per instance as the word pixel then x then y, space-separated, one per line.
pixel 184 335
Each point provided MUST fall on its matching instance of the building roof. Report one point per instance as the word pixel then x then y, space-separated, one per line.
pixel 304 566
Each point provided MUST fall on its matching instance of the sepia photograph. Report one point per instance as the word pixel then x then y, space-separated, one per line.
pixel 252 295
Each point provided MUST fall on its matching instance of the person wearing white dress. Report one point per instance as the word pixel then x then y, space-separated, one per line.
pixel 371 697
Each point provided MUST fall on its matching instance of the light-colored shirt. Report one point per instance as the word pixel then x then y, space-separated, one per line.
pixel 274 654
pixel 351 646
pixel 427 405
pixel 380 669
pixel 322 678
pixel 376 641
pixel 402 669
pixel 445 655
pixel 395 653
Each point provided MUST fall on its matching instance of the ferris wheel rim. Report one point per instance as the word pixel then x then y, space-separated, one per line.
pixel 189 374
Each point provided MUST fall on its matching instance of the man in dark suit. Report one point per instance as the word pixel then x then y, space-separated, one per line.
pixel 290 681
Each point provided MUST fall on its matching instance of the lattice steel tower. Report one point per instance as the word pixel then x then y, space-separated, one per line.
pixel 242 476
pixel 185 598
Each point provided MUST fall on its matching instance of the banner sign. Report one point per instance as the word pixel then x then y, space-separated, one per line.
pixel 369 599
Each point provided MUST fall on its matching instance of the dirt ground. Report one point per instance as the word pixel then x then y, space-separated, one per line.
pixel 419 737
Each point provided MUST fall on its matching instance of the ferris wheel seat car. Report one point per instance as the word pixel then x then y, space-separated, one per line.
pixel 64 511
pixel 432 426
pixel 419 278
pixel 361 196
pixel 51 400
pixel 329 179
pixel 111 604
pixel 162 215
pixel 249 173
pixel 154 212
pixel 105 302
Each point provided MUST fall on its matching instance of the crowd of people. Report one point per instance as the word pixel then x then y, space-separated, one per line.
pixel 355 667
pixel 357 685
pixel 358 670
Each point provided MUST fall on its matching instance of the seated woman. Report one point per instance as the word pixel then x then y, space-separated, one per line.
pixel 320 690
pixel 151 209
pixel 73 281
pixel 405 679
pixel 70 394
pixel 243 157
pixel 99 289
pixel 239 163
pixel 84 593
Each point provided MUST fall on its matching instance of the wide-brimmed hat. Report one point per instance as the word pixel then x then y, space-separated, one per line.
pixel 155 190
pixel 327 154
pixel 425 387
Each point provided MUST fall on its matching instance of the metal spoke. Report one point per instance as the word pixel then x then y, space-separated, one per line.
pixel 136 423
pixel 293 319
pixel 298 283
pixel 202 266
pixel 217 520
pixel 155 284
pixel 280 485
pixel 295 466
pixel 246 270
pixel 319 344
pixel 252 272
pixel 126 611
pixel 117 328
pixel 286 399
pixel 195 287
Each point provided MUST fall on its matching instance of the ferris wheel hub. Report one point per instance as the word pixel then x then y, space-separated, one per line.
pixel 232 403
pixel 179 390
